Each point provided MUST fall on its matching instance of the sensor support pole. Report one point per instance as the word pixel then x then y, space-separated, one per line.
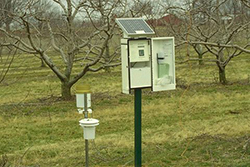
pixel 137 125
pixel 86 141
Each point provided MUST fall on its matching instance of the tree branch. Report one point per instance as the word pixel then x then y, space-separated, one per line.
pixel 6 70
pixel 88 65
pixel 220 45
pixel 18 39
pixel 52 66
pixel 103 67
pixel 52 38
pixel 78 7
pixel 61 4
pixel 246 3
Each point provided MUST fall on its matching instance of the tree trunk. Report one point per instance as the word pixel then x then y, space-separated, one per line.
pixel 222 75
pixel 200 56
pixel 222 68
pixel 65 90
pixel 107 57
pixel 199 50
pixel 7 27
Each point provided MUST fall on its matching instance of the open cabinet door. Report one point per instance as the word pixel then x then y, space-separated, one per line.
pixel 163 63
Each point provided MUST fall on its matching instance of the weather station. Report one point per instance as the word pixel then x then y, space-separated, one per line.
pixel 147 62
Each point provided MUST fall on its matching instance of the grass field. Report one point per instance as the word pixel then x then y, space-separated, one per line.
pixel 201 123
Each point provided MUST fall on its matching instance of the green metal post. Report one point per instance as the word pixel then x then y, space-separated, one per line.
pixel 137 127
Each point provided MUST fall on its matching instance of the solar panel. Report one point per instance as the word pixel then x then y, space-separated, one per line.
pixel 134 26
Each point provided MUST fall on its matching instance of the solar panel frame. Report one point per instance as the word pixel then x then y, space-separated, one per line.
pixel 134 26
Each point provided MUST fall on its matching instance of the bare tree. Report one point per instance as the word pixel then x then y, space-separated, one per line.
pixel 6 8
pixel 100 13
pixel 218 30
pixel 62 34
pixel 141 8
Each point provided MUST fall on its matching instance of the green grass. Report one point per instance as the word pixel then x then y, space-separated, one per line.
pixel 201 123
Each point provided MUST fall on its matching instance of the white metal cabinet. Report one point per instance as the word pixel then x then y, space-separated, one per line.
pixel 125 74
pixel 140 77
pixel 163 63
